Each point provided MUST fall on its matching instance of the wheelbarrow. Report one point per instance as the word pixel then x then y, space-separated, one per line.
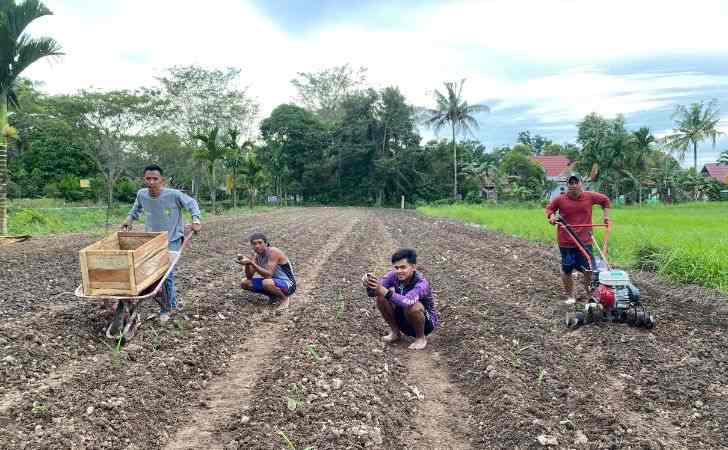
pixel 125 320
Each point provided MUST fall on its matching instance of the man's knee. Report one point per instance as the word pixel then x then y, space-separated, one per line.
pixel 415 310
pixel 247 284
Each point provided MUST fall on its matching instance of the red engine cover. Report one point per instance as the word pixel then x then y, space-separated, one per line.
pixel 605 295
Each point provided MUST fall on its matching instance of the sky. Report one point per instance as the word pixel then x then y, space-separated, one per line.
pixel 540 65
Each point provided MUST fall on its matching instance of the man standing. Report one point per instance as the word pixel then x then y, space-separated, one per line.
pixel 575 207
pixel 405 300
pixel 268 271
pixel 163 212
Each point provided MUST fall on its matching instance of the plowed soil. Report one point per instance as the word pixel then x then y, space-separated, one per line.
pixel 232 371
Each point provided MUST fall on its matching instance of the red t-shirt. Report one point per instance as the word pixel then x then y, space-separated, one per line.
pixel 576 212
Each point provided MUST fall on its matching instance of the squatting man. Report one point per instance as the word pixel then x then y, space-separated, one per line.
pixel 404 299
pixel 268 271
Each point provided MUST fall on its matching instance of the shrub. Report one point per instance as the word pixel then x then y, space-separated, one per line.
pixel 27 217
pixel 648 256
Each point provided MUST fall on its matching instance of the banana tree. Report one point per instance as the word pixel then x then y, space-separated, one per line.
pixel 17 51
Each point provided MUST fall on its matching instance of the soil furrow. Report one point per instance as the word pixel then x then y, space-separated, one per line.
pixel 441 411
pixel 232 391
pixel 169 364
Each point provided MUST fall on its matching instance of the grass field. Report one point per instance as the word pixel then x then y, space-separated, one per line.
pixel 686 242
pixel 49 216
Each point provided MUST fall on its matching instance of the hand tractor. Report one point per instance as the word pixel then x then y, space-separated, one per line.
pixel 613 296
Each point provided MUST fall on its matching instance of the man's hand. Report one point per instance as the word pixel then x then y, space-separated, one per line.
pixel 607 220
pixel 126 226
pixel 552 219
pixel 195 227
pixel 245 261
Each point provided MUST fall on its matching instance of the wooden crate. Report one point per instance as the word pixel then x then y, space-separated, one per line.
pixel 124 263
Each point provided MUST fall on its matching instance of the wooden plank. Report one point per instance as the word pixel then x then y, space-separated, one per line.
pixel 104 276
pixel 122 287
pixel 103 261
pixel 152 278
pixel 84 271
pixel 152 269
pixel 150 248
pixel 130 272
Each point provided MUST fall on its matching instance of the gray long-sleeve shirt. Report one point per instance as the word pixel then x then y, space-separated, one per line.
pixel 164 213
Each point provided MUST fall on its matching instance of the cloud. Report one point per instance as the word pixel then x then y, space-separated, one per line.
pixel 540 65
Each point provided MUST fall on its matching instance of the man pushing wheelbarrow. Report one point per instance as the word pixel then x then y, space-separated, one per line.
pixel 163 212
pixel 128 267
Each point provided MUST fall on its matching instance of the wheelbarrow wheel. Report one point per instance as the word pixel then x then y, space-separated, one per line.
pixel 131 326
pixel 117 322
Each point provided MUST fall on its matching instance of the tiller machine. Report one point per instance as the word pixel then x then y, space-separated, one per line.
pixel 613 296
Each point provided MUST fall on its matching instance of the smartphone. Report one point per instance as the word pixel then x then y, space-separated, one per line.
pixel 371 292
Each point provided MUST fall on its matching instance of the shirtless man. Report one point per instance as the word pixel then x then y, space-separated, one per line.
pixel 268 271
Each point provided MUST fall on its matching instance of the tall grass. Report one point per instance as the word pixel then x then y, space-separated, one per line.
pixel 686 242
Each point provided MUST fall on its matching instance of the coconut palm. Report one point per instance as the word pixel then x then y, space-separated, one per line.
pixel 723 159
pixel 17 51
pixel 694 124
pixel 452 110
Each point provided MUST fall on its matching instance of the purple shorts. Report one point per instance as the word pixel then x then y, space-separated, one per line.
pixel 281 284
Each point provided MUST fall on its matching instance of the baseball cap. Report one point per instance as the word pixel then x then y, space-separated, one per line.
pixel 573 177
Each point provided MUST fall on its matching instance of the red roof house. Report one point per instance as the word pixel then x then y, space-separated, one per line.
pixel 717 171
pixel 557 166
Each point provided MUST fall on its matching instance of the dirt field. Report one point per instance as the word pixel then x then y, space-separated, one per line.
pixel 502 372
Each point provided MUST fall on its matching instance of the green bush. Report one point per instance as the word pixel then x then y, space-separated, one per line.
pixel 26 217
pixel 70 188
pixel 473 197
pixel 125 190
pixel 51 190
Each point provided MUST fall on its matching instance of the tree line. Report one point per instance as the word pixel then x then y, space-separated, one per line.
pixel 340 141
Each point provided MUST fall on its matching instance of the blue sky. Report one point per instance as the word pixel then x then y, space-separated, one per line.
pixel 540 65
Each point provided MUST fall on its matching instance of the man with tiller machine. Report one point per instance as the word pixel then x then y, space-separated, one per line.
pixel 611 295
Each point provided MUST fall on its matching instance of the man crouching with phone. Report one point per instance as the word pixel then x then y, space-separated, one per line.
pixel 404 299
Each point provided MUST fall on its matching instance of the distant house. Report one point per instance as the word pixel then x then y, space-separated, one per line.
pixel 557 168
pixel 717 171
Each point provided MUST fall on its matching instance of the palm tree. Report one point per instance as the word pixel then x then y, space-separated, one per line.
pixel 452 110
pixel 234 160
pixel 255 175
pixel 212 152
pixel 723 159
pixel 17 52
pixel 694 125
pixel 635 160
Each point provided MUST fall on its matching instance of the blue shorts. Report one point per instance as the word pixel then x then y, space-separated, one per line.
pixel 572 258
pixel 283 285
pixel 406 327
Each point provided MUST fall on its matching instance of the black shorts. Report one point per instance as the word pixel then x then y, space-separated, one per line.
pixel 572 258
pixel 407 328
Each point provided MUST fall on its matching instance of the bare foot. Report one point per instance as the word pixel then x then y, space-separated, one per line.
pixel 284 304
pixel 391 337
pixel 419 344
